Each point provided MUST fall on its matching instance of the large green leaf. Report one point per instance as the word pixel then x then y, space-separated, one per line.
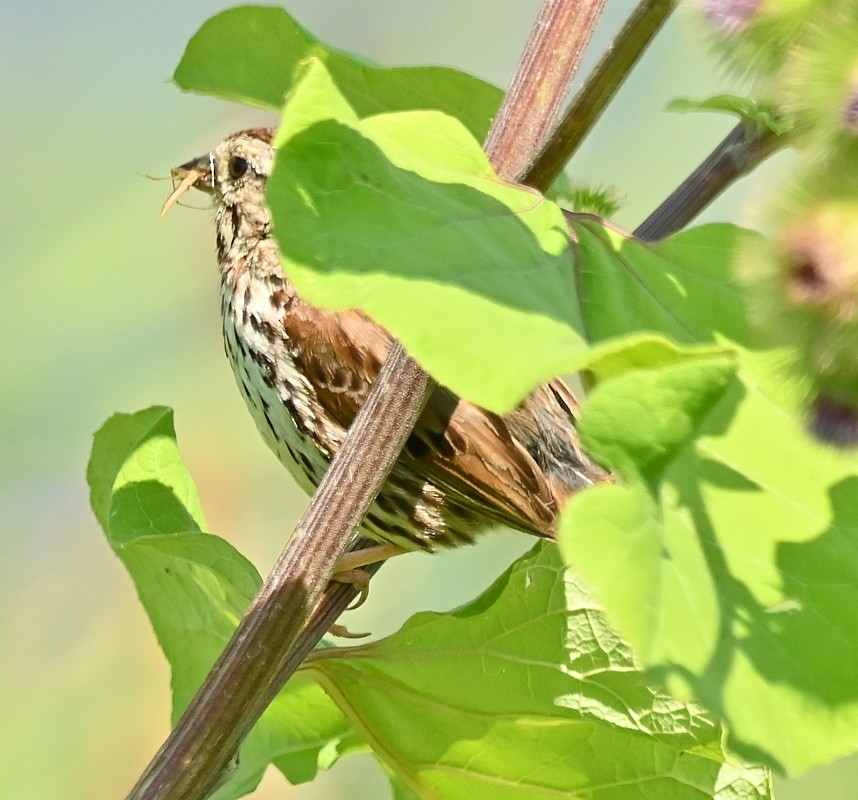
pixel 401 215
pixel 527 692
pixel 681 287
pixel 195 587
pixel 727 556
pixel 249 54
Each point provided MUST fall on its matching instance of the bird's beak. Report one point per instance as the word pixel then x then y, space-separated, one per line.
pixel 197 174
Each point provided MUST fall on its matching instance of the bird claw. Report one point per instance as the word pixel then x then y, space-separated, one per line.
pixel 358 578
pixel 343 632
pixel 349 572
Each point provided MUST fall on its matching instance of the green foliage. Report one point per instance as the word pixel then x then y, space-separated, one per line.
pixel 724 553
pixel 527 692
pixel 757 115
pixel 717 555
pixel 195 587
pixel 681 287
pixel 524 692
pixel 406 205
pixel 249 54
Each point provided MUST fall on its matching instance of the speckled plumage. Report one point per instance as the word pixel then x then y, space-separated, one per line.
pixel 305 372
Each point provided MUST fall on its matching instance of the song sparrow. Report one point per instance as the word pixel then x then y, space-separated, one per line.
pixel 304 372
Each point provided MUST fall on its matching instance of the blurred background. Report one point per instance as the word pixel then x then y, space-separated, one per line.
pixel 104 307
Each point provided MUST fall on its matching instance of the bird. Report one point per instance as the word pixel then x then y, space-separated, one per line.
pixel 305 371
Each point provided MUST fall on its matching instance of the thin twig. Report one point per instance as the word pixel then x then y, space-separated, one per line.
pixel 741 151
pixel 598 91
pixel 196 756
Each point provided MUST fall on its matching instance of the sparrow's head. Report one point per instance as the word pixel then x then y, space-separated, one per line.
pixel 234 173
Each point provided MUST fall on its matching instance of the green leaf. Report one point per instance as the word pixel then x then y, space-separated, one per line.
pixel 642 419
pixel 527 692
pixel 400 215
pixel 682 287
pixel 759 115
pixel 195 588
pixel 142 434
pixel 727 557
pixel 249 54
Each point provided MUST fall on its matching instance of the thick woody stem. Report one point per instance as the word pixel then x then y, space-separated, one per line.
pixel 598 90
pixel 551 57
pixel 195 758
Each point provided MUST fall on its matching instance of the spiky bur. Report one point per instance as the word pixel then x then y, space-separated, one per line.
pixel 801 55
pixel 803 59
pixel 730 17
pixel 754 36
pixel 581 199
pixel 804 286
pixel 819 82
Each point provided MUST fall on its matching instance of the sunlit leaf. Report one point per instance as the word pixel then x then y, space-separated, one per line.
pixel 249 54
pixel 195 587
pixel 527 692
pixel 727 553
pixel 400 215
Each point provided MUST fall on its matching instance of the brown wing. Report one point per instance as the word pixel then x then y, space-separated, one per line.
pixel 467 451
pixel 341 355
pixel 545 423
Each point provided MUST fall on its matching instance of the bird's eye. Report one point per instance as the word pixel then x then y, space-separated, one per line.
pixel 237 166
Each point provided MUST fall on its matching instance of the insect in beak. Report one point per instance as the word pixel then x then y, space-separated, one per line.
pixel 197 173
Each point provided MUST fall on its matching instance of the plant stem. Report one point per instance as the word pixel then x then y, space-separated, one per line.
pixel 195 758
pixel 550 59
pixel 598 91
pixel 741 151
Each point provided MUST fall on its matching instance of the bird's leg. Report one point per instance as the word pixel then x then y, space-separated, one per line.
pixel 349 571
pixel 368 555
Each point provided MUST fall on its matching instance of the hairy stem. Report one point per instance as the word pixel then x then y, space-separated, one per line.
pixel 195 758
pixel 598 91
pixel 549 62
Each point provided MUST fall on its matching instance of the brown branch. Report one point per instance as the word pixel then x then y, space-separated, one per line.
pixel 598 90
pixel 195 758
pixel 549 62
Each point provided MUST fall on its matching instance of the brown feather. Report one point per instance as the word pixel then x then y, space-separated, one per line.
pixel 465 449
pixel 305 372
